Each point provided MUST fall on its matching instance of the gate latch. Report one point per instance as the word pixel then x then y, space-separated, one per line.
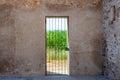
pixel 67 49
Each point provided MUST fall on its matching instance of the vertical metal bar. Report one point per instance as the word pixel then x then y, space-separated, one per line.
pixel 49 67
pixel 52 44
pixel 55 41
pixel 47 52
pixel 60 42
pixel 57 28
pixel 55 46
pixel 65 44
pixel 61 45
pixel 49 46
pixel 46 46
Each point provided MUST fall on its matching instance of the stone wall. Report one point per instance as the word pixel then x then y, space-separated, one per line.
pixel 23 37
pixel 111 23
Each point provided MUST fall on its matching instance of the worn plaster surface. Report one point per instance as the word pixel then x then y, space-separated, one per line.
pixel 22 32
pixel 7 45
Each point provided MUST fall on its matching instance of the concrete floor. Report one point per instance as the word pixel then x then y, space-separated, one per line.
pixel 57 67
pixel 54 78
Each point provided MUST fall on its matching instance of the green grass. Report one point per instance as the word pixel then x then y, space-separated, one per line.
pixel 54 54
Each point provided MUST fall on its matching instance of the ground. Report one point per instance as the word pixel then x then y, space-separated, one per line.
pixel 57 67
pixel 55 78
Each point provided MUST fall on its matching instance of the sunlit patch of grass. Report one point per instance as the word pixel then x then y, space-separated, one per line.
pixel 53 54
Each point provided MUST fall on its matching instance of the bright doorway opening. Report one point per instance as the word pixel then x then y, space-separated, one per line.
pixel 57 49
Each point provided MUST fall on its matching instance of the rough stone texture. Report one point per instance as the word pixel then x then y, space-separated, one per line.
pixel 26 29
pixel 111 25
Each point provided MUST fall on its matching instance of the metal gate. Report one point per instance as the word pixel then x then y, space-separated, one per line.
pixel 56 45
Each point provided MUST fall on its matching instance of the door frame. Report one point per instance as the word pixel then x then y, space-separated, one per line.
pixel 67 42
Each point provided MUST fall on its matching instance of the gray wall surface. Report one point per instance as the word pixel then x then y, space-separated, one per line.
pixel 22 32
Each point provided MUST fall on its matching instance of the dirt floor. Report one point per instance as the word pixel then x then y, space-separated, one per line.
pixel 57 67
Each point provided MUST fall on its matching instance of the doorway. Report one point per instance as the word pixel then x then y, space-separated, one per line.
pixel 57 49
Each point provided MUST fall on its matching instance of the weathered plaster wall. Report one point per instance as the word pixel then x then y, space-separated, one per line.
pixel 30 42
pixel 111 25
pixel 7 39
pixel 28 31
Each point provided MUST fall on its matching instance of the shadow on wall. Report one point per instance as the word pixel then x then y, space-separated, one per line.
pixel 98 57
pixel 7 39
